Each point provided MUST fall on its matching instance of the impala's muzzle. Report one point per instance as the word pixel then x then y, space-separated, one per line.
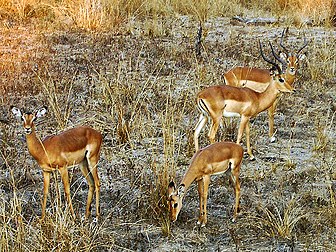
pixel 28 130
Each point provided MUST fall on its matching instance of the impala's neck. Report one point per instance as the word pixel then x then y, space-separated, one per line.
pixel 188 178
pixel 267 98
pixel 289 78
pixel 35 146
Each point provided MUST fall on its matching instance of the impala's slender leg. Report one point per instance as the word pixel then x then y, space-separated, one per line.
pixel 89 179
pixel 200 189
pixel 242 125
pixel 199 126
pixel 236 188
pixel 203 185
pixel 46 184
pixel 66 184
pixel 214 128
pixel 206 182
pixel 248 142
pixel 271 112
pixel 92 162
pixel 241 129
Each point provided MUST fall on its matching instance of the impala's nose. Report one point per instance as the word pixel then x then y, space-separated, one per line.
pixel 28 130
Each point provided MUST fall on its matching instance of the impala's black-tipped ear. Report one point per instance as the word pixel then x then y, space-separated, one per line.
pixel 171 184
pixel 171 188
pixel 302 56
pixel 16 112
pixel 41 112
pixel 181 189
pixel 273 71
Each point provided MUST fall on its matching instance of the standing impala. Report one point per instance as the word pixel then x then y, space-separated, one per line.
pixel 258 79
pixel 218 101
pixel 214 159
pixel 79 145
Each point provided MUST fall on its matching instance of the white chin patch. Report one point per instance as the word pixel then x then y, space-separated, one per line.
pixel 28 131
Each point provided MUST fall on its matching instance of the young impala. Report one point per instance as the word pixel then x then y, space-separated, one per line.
pixel 214 159
pixel 258 79
pixel 79 145
pixel 218 101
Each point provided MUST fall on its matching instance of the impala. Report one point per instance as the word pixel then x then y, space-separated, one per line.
pixel 218 101
pixel 258 79
pixel 214 159
pixel 77 146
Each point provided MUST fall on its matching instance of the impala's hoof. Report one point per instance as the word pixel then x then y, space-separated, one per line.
pixel 273 139
pixel 233 220
pixel 201 224
pixel 252 158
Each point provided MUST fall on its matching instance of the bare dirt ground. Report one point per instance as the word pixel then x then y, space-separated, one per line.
pixel 139 90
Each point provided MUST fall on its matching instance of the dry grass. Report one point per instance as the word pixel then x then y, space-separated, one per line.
pixel 112 15
pixel 129 69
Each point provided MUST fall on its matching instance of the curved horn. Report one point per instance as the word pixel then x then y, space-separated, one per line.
pixel 276 55
pixel 268 60
pixel 284 63
pixel 281 41
pixel 305 43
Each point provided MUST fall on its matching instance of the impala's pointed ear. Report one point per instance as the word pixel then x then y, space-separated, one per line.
pixel 302 56
pixel 16 112
pixel 273 71
pixel 180 190
pixel 171 189
pixel 283 56
pixel 41 112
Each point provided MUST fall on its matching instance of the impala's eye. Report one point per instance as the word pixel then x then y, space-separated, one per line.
pixel 175 205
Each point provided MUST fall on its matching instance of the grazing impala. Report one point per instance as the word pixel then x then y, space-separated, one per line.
pixel 218 101
pixel 214 159
pixel 258 79
pixel 79 145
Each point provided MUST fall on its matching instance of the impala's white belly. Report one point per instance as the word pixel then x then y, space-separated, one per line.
pixel 73 158
pixel 219 173
pixel 217 168
pixel 230 114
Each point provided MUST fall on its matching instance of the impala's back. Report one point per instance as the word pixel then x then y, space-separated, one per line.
pixel 254 78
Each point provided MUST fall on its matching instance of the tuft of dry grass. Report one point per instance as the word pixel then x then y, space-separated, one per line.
pixel 60 105
pixel 278 220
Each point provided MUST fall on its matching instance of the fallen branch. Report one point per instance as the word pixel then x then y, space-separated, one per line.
pixel 256 21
